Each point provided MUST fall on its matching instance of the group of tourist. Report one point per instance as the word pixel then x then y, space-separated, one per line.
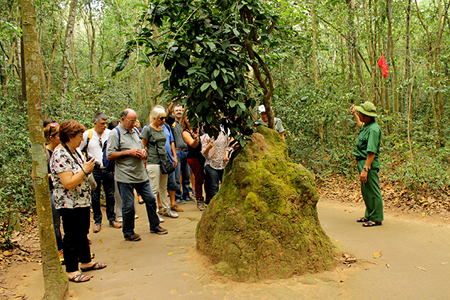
pixel 77 171
pixel 77 158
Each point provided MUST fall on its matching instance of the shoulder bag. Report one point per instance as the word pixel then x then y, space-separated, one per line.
pixel 165 165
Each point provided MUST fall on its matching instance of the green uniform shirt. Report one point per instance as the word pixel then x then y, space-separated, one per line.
pixel 160 137
pixel 369 139
pixel 128 169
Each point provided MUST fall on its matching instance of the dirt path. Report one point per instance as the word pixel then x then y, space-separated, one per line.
pixel 415 263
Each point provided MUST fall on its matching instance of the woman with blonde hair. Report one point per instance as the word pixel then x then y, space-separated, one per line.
pixel 154 140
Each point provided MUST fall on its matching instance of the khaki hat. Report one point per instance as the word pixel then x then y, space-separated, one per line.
pixel 368 109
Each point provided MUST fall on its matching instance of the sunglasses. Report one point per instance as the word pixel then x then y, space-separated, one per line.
pixel 52 125
pixel 162 118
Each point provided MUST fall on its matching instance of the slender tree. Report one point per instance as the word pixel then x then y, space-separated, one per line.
pixel 67 48
pixel 55 279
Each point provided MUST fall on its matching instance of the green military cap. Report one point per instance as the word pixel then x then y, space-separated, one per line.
pixel 368 109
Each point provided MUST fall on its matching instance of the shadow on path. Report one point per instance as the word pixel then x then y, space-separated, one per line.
pixel 415 263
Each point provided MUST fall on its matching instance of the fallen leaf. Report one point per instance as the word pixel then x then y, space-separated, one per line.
pixel 422 269
pixel 377 254
pixel 423 214
pixel 170 253
pixel 107 250
pixel 387 265
pixel 181 247
pixel 100 241
pixel 149 274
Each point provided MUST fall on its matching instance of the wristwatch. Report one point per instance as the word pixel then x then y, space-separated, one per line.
pixel 366 169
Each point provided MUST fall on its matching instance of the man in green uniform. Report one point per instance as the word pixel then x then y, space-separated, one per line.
pixel 366 151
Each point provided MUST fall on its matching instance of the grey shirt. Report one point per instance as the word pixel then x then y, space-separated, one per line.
pixel 129 169
pixel 178 136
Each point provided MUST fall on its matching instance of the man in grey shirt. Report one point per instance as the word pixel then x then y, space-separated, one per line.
pixel 129 154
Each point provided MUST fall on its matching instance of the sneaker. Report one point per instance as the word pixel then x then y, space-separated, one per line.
pixel 132 237
pixel 168 213
pixel 159 230
pixel 189 199
pixel 201 205
pixel 97 228
pixel 180 201
pixel 161 220
pixel 136 216
pixel 115 224
pixel 176 208
pixel 119 219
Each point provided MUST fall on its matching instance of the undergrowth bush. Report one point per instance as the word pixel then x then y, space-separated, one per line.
pixel 304 111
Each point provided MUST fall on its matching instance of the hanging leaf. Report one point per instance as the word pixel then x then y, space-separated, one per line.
pixel 205 86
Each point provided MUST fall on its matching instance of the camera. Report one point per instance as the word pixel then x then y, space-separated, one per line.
pixel 97 164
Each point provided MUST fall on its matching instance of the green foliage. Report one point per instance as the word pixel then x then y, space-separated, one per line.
pixel 205 48
pixel 16 190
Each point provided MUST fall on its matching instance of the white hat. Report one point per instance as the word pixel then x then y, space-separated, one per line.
pixel 261 109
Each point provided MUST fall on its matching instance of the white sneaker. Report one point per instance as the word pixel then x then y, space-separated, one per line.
pixel 119 219
pixel 161 220
pixel 169 213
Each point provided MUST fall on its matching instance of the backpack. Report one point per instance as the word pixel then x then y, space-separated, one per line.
pixel 90 134
pixel 109 164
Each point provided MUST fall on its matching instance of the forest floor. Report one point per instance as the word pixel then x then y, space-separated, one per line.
pixel 406 258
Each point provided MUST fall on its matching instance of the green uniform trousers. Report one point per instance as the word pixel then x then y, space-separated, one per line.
pixel 372 194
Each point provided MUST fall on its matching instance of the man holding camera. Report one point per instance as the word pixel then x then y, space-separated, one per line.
pixel 92 146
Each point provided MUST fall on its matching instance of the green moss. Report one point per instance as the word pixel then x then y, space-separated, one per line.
pixel 263 222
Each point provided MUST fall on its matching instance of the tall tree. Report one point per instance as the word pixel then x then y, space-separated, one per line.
pixel 67 47
pixel 56 283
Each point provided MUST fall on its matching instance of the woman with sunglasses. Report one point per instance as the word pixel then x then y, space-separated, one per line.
pixel 154 139
pixel 72 196
pixel 51 133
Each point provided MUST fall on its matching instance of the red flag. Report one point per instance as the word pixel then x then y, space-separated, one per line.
pixel 382 64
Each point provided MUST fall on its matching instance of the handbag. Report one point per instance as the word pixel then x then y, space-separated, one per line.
pixel 92 182
pixel 165 165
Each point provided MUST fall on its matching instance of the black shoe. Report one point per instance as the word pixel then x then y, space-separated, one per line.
pixel 132 237
pixel 159 230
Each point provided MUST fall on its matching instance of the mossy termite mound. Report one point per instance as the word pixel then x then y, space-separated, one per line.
pixel 263 223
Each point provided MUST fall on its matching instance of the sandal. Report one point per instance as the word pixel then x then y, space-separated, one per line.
pixel 371 224
pixel 79 278
pixel 95 266
pixel 362 220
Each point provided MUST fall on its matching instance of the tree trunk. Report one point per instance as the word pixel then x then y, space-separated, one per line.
pixel 373 55
pixel 92 48
pixel 314 45
pixel 393 84
pixel 67 47
pixel 408 83
pixel 55 279
pixel 350 44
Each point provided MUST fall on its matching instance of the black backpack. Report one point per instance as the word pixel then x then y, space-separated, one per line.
pixel 109 164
